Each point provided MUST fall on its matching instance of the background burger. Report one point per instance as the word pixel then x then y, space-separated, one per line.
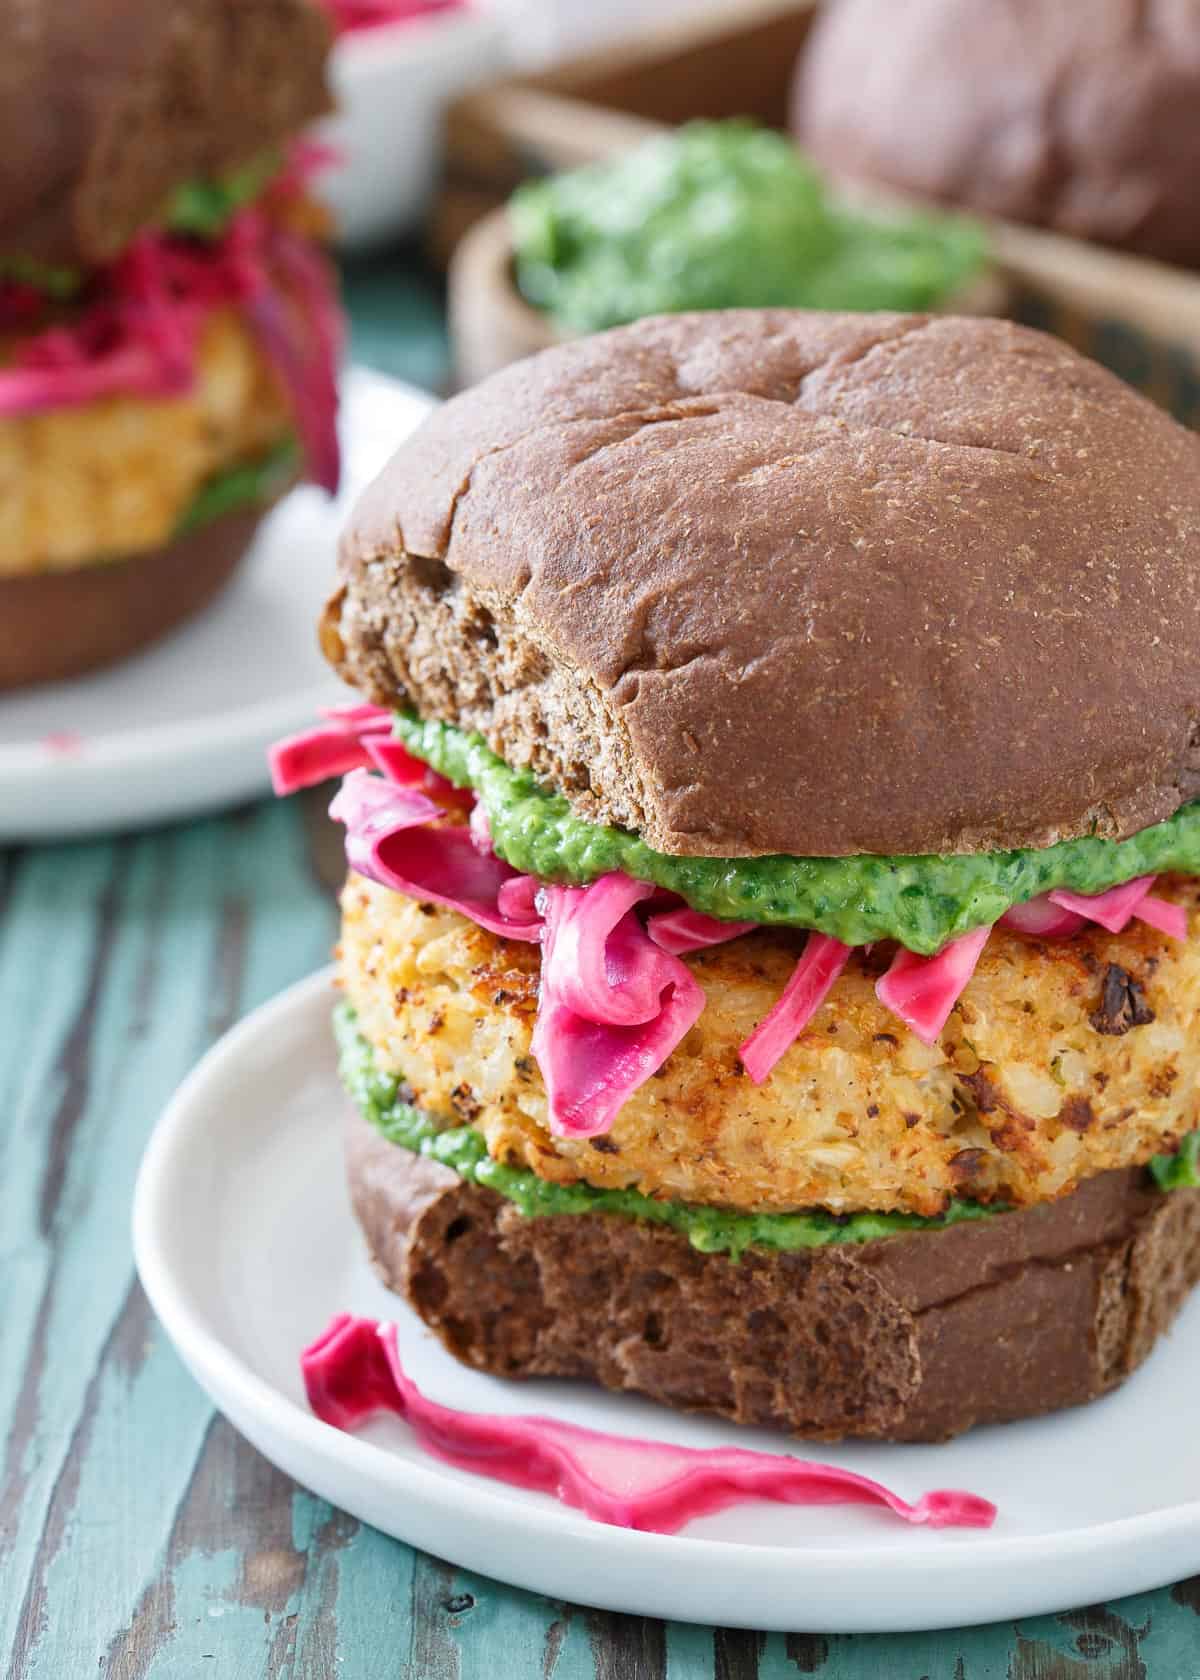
pixel 168 327
pixel 1080 118
pixel 769 958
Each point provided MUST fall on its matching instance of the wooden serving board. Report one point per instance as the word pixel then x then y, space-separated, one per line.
pixel 1138 317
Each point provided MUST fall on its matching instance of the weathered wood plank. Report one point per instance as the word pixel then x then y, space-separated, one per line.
pixel 1102 1643
pixel 324 840
pixel 398 320
pixel 736 1652
pixel 179 932
pixel 361 1594
pixel 41 1002
pixel 689 1651
pixel 627 1647
pixel 501 1629
pixel 230 1538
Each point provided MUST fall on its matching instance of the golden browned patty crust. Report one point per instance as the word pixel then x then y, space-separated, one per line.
pixel 114 477
pixel 1062 1059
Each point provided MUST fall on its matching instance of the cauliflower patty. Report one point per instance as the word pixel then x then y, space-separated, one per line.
pixel 114 477
pixel 1047 1072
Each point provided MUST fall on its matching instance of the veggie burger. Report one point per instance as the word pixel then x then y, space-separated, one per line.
pixel 168 324
pixel 770 958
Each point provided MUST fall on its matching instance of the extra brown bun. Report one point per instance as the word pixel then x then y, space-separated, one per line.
pixel 107 105
pixel 60 624
pixel 776 581
pixel 1079 116
pixel 911 1338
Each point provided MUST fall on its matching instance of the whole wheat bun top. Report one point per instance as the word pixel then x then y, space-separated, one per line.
pixel 107 105
pixel 1081 115
pixel 777 581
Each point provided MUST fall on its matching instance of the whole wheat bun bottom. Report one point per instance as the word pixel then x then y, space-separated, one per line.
pixel 60 624
pixel 909 1338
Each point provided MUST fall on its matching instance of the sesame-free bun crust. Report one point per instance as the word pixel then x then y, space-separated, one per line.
pixel 55 625
pixel 778 581
pixel 108 105
pixel 1080 117
pixel 908 1338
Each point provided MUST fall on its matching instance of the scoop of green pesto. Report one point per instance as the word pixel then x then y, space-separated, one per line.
pixel 717 216
pixel 921 901
pixel 377 1096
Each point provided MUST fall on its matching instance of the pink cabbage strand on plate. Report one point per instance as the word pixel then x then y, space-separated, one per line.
pixel 354 1371
pixel 615 999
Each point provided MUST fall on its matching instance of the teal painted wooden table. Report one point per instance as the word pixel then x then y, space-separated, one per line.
pixel 140 1538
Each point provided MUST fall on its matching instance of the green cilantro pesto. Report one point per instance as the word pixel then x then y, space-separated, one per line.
pixel 1180 1171
pixel 204 208
pixel 716 216
pixel 377 1097
pixel 921 901
pixel 249 484
pixel 57 283
pixel 711 1230
pixel 201 209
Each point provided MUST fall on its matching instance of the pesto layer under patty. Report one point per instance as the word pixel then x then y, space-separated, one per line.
pixel 921 901
pixel 1180 1171
pixel 378 1096
pixel 249 484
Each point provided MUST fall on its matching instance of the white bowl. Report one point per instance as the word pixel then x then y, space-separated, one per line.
pixel 391 85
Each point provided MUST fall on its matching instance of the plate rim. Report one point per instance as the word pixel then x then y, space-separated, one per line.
pixel 222 1371
pixel 128 748
pixel 211 759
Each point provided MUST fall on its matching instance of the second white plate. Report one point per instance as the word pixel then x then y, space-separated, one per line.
pixel 184 727
pixel 246 1246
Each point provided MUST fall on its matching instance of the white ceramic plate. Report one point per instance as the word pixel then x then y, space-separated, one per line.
pixel 390 86
pixel 184 727
pixel 246 1247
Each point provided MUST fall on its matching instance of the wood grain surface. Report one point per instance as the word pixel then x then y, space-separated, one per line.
pixel 140 1537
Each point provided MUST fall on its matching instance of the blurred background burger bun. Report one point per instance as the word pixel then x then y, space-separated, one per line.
pixel 1083 118
pixel 169 328
pixel 110 104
